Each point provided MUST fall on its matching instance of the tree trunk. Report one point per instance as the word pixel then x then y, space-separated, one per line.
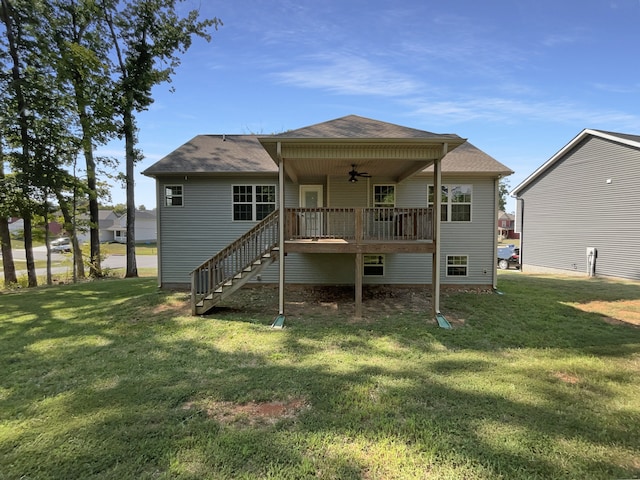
pixel 129 135
pixel 5 240
pixel 46 241
pixel 25 161
pixel 95 268
pixel 7 254
pixel 69 226
pixel 32 278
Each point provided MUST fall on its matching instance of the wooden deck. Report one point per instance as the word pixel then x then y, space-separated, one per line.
pixel 359 230
pixel 331 245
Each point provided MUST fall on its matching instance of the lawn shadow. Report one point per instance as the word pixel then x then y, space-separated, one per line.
pixel 115 400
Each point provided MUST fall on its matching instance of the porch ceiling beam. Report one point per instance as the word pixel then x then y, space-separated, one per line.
pixel 415 168
pixel 291 173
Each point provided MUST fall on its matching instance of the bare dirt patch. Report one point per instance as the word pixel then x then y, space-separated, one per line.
pixel 249 414
pixel 333 302
pixel 621 312
pixel 566 377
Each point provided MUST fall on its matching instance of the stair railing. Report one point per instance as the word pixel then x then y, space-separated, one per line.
pixel 237 257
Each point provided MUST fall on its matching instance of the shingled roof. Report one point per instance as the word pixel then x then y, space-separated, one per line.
pixel 468 158
pixel 356 127
pixel 216 154
pixel 224 154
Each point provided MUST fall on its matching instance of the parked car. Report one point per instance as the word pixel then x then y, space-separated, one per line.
pixel 61 245
pixel 508 256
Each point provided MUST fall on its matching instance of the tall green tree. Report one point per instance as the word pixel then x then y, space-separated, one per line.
pixel 18 22
pixel 77 30
pixel 147 36
pixel 503 193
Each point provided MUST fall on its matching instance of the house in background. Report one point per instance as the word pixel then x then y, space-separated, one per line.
pixel 113 227
pixel 349 202
pixel 506 226
pixel 580 211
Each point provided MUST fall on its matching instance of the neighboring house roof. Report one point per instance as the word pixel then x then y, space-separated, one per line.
pixel 623 138
pixel 145 215
pixel 505 216
pixel 227 154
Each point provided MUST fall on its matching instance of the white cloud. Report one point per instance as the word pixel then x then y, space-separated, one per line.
pixel 511 111
pixel 350 75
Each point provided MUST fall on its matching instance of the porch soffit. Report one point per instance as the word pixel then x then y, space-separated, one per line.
pixel 395 160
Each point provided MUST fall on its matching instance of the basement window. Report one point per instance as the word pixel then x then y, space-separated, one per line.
pixel 373 265
pixel 457 265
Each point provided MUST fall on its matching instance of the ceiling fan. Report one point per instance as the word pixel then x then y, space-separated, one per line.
pixel 354 174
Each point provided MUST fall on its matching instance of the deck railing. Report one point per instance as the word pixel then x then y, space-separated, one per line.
pixel 359 224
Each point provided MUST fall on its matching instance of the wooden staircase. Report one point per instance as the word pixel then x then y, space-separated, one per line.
pixel 233 266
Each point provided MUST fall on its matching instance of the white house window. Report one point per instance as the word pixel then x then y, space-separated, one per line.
pixel 373 265
pixel 457 265
pixel 455 202
pixel 173 195
pixel 384 195
pixel 253 202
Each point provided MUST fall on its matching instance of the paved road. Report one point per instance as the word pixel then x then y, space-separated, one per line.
pixel 112 261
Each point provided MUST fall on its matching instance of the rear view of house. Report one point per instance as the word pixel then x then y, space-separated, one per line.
pixel 580 211
pixel 345 202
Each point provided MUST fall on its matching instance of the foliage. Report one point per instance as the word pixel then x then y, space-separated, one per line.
pixel 114 379
pixel 503 192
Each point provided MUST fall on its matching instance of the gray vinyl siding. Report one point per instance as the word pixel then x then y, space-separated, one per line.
pixel 571 207
pixel 194 232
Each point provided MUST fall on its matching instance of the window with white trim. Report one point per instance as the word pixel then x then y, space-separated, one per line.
pixel 253 202
pixel 384 195
pixel 173 195
pixel 455 202
pixel 457 265
pixel 373 265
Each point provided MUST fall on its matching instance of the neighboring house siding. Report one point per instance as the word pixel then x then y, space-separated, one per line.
pixel 145 230
pixel 571 207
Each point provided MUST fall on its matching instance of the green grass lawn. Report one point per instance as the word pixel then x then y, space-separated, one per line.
pixel 114 379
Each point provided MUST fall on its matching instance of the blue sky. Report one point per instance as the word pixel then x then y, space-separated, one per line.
pixel 518 79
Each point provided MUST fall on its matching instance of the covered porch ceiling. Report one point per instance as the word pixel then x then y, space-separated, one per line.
pixel 307 159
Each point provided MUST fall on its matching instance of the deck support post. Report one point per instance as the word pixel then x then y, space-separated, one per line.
pixel 281 221
pixel 437 201
pixel 358 285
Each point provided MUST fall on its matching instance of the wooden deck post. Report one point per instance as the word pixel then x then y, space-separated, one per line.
pixel 437 197
pixel 358 285
pixel 281 223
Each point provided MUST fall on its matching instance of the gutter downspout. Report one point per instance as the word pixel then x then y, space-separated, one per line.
pixel 496 204
pixel 521 221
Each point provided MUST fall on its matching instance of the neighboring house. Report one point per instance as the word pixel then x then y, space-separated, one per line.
pixel 16 225
pixel 585 197
pixel 113 228
pixel 350 202
pixel 506 226
pixel 106 219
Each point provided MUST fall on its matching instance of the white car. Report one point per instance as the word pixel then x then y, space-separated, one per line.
pixel 61 245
